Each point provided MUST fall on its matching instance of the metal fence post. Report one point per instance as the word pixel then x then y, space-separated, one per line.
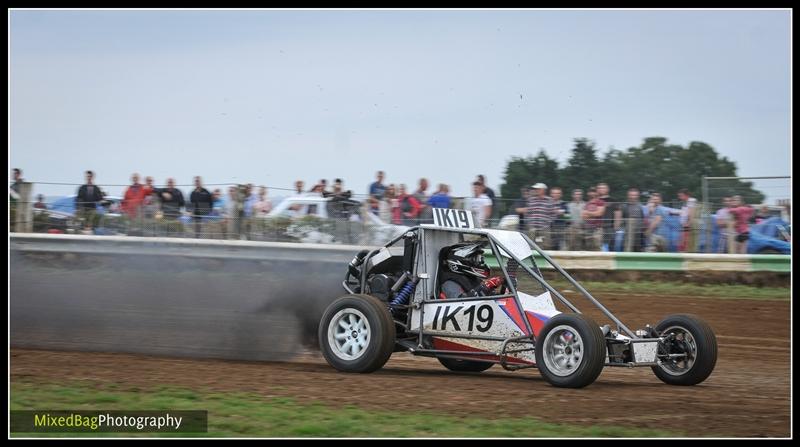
pixel 707 210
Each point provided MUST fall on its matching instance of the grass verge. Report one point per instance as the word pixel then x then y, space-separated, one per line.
pixel 724 291
pixel 720 291
pixel 252 415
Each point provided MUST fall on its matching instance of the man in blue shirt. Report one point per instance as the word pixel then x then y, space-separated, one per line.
pixel 376 192
pixel 441 198
pixel 657 232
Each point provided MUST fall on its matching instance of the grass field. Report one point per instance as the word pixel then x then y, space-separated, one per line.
pixel 724 291
pixel 250 415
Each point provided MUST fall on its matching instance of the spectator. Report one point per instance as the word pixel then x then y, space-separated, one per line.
pixel 18 181
pixel 725 222
pixel 632 221
pixel 86 202
pixel 148 186
pixel 689 221
pixel 741 214
pixel 14 197
pixel 376 192
pixel 202 204
pixel 592 216
pixel 539 214
pixel 342 208
pixel 249 199
pixel 298 190
pixel 298 187
pixel 559 224
pixel 407 210
pixel 761 215
pixel 40 205
pixel 489 193
pixel 441 198
pixel 575 228
pixel 217 204
pixel 134 198
pixel 171 200
pixel 390 205
pixel 150 203
pixel 321 188
pixel 611 216
pixel 264 205
pixel 233 212
pixel 657 233
pixel 521 204
pixel 425 214
pixel 480 204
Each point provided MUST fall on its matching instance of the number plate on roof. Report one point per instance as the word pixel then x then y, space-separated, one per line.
pixel 444 217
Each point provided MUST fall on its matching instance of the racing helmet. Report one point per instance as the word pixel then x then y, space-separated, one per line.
pixel 466 258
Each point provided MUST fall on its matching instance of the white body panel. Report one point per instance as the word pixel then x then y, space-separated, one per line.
pixel 494 318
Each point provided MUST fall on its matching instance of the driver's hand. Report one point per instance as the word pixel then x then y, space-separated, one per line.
pixel 493 282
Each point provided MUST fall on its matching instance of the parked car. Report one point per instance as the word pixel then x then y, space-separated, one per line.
pixel 60 216
pixel 317 219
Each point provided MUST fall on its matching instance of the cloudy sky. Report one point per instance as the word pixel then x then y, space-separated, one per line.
pixel 273 96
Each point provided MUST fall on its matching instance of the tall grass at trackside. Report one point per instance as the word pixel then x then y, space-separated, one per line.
pixel 252 415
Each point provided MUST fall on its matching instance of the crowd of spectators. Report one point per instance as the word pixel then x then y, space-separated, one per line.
pixel 395 204
pixel 590 221
pixel 601 223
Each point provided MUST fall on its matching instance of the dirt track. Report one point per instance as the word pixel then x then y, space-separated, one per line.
pixel 747 395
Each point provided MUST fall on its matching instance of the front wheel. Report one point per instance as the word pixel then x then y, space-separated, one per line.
pixel 459 365
pixel 688 353
pixel 356 334
pixel 570 351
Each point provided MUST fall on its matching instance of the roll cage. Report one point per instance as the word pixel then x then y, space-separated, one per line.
pixel 420 250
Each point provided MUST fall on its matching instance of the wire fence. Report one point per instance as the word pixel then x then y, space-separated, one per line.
pixel 637 227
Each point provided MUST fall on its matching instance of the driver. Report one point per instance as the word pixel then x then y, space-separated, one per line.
pixel 464 272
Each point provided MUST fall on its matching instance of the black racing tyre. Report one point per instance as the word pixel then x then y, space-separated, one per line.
pixel 570 351
pixel 690 335
pixel 356 334
pixel 460 365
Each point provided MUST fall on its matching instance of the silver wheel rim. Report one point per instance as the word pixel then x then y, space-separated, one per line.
pixel 348 334
pixel 679 367
pixel 563 350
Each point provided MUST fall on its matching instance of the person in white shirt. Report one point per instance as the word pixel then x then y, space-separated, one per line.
pixel 263 205
pixel 689 221
pixel 725 223
pixel 480 204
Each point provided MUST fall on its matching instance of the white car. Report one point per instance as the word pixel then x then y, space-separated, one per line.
pixel 358 227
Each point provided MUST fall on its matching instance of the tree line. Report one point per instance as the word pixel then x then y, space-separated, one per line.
pixel 653 166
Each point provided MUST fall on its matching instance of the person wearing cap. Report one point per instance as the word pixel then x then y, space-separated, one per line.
pixel 539 214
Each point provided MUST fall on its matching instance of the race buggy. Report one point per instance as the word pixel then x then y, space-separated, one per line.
pixel 429 292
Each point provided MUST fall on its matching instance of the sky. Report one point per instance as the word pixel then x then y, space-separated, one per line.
pixel 274 96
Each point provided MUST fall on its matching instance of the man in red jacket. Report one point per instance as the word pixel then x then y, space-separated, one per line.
pixel 134 197
pixel 408 208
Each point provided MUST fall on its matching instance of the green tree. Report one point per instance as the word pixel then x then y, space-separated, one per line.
pixel 582 168
pixel 523 172
pixel 653 166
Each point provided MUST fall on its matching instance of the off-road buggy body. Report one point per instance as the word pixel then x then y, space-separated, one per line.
pixel 395 303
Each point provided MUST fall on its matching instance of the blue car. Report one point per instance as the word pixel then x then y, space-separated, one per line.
pixel 768 237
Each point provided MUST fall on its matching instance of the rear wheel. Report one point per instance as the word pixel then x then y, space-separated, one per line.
pixel 460 365
pixel 356 334
pixel 692 349
pixel 570 351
